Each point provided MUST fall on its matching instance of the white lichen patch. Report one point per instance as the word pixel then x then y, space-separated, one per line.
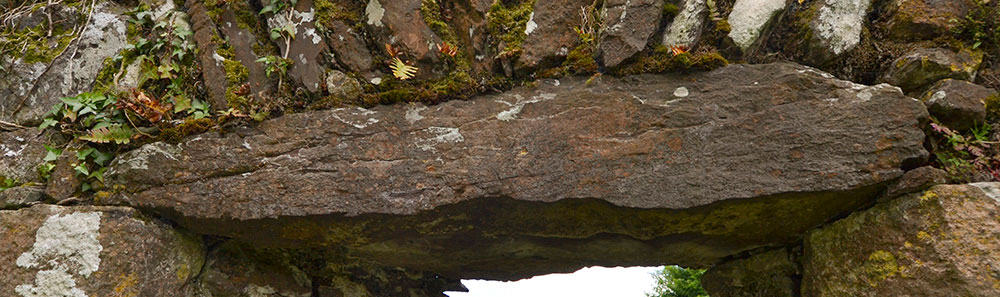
pixel 311 33
pixel 531 25
pixel 515 109
pixel 681 92
pixel 937 96
pixel 440 135
pixel 139 159
pixel 839 23
pixel 374 12
pixel 65 245
pixel 413 114
pixel 293 20
pixel 686 27
pixel 750 17
pixel 356 117
pixel 51 283
pixel 11 151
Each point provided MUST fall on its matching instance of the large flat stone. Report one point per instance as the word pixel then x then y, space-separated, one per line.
pixel 631 171
pixel 93 251
pixel 942 242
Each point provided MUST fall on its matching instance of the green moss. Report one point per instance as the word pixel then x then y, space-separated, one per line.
pixel 880 266
pixel 431 12
pixel 662 60
pixel 723 27
pixel 581 60
pixel 189 127
pixel 670 10
pixel 327 12
pixel 993 106
pixel 235 71
pixel 105 82
pixel 507 23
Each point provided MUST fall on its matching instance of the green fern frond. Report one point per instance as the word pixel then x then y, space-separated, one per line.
pixel 116 133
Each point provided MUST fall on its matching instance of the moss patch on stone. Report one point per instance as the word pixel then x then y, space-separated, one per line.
pixel 880 266
pixel 663 60
pixel 507 23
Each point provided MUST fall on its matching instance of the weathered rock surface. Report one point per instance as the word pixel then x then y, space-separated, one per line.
pixel 27 97
pixel 917 180
pixel 958 104
pixel 942 242
pixel 407 26
pixel 926 19
pixel 21 152
pixel 242 42
pixel 632 171
pixel 686 27
pixel 307 46
pixel 349 49
pixel 550 31
pixel 836 28
pixel 230 270
pixel 773 273
pixel 93 251
pixel 213 73
pixel 924 66
pixel 751 18
pixel 627 28
pixel 21 196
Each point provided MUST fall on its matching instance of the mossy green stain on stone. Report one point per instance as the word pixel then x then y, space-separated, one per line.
pixel 508 23
pixel 881 265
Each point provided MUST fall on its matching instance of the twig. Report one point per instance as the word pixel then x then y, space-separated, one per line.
pixel 10 126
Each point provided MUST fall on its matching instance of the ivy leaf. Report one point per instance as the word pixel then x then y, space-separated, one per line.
pixel 82 169
pixel 51 154
pixel 48 122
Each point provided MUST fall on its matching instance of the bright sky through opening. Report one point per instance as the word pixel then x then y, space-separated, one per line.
pixel 586 282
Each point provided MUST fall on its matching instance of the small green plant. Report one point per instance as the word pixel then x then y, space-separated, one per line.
pixel 676 281
pixel 283 20
pixel 7 183
pixel 49 162
pixel 87 115
pixel 90 165
pixel 970 157
pixel 274 65
pixel 981 26
pixel 164 51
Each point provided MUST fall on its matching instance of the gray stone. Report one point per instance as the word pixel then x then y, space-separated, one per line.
pixel 21 196
pixel 617 172
pixel 307 46
pixel 774 273
pixel 342 86
pixel 836 28
pixel 93 251
pixel 958 104
pixel 628 26
pixel 751 18
pixel 917 180
pixel 550 34
pixel 687 25
pixel 924 66
pixel 925 19
pixel 942 242
pixel 21 152
pixel 349 49
pixel 26 100
pixel 232 270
